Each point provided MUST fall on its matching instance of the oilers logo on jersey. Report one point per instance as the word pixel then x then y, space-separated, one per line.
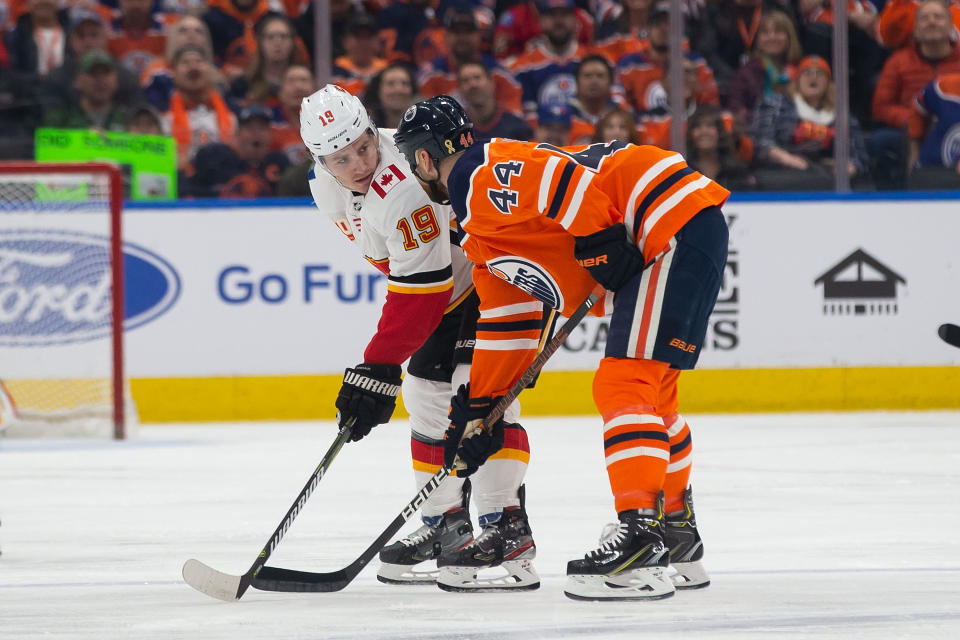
pixel 528 276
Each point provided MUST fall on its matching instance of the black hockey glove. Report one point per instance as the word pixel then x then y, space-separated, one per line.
pixel 609 256
pixel 368 396
pixel 466 443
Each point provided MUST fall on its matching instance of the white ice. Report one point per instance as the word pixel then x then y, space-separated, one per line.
pixel 815 526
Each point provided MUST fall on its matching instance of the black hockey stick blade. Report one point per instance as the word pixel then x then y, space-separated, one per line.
pixel 279 579
pixel 229 587
pixel 950 333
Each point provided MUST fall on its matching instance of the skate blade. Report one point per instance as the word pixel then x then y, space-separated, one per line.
pixel 689 576
pixel 649 583
pixel 515 575
pixel 405 574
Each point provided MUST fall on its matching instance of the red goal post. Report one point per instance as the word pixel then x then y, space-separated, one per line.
pixel 59 224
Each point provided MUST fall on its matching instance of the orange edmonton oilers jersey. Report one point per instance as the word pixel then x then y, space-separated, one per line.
pixel 519 206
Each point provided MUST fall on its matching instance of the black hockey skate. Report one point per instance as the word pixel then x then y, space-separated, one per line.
pixel 630 564
pixel 398 560
pixel 686 548
pixel 507 543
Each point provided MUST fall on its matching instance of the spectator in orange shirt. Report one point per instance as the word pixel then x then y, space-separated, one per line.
pixel 775 50
pixel 353 70
pixel 640 72
pixel 138 37
pixel 896 22
pixel 625 31
pixel 478 96
pixel 463 38
pixel 904 76
pixel 389 94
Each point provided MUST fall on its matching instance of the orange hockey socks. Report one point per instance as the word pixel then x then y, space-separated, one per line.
pixel 678 471
pixel 635 439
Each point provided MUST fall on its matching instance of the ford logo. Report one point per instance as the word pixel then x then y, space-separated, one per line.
pixel 55 287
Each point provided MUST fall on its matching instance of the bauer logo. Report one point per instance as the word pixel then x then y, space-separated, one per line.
pixel 528 276
pixel 55 287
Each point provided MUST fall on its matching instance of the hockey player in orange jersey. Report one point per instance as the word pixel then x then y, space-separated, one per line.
pixel 550 221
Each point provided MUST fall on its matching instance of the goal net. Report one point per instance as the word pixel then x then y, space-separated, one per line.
pixel 61 301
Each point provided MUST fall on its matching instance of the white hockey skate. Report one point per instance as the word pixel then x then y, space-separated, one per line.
pixel 629 565
pixel 506 546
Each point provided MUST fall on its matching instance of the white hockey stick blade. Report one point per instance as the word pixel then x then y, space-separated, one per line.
pixel 211 582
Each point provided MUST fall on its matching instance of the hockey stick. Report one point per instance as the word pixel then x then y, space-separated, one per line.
pixel 950 333
pixel 225 586
pixel 278 579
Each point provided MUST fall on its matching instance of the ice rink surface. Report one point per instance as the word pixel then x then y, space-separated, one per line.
pixel 815 526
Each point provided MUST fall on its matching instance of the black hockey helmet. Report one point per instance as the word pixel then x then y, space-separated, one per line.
pixel 438 125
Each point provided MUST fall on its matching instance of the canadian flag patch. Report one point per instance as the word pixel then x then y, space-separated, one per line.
pixel 387 179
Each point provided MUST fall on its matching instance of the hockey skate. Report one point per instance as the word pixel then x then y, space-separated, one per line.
pixel 398 561
pixel 630 564
pixel 686 548
pixel 507 544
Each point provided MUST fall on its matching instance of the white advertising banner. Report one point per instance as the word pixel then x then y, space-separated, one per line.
pixel 278 290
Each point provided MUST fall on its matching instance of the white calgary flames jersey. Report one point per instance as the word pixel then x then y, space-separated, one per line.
pixel 410 239
pixel 394 221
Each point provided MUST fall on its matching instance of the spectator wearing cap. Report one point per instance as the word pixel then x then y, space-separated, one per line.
pixel 95 105
pixel 361 41
pixel 276 50
pixel 546 71
pixel 904 75
pixel 389 94
pixel 138 37
pixel 640 72
pixel 477 92
pixel 594 97
pixel 86 33
pixel 285 121
pixel 248 169
pixel 554 122
pixel 463 39
pixel 198 114
pixel 935 135
pixel 866 55
pixel 776 51
pixel 157 80
pixel 520 25
pixel 896 23
pixel 231 24
pixel 145 121
pixel 411 32
pixel 794 134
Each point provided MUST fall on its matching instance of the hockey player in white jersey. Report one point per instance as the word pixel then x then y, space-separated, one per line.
pixel 430 316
